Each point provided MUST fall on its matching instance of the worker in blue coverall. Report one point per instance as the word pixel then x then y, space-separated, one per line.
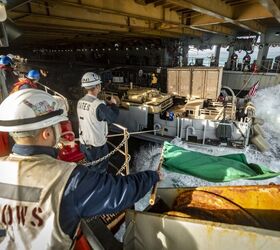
pixel 94 115
pixel 42 199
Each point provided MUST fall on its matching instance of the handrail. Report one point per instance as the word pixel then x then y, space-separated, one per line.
pixel 234 99
pixel 251 108
pixel 123 143
pixel 56 94
pixel 187 131
pixel 204 132
pixel 125 151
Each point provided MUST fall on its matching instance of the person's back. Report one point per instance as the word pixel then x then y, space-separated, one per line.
pixel 246 62
pixel 42 199
pixel 92 131
pixel 32 208
pixel 94 117
pixel 233 61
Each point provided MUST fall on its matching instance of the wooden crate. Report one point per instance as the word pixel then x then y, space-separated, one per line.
pixel 195 82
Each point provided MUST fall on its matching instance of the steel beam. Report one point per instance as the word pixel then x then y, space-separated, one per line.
pixel 73 19
pixel 105 26
pixel 156 33
pixel 192 30
pixel 133 32
pixel 175 8
pixel 158 3
pixel 13 4
pixel 214 8
pixel 60 29
pixel 251 12
pixel 273 6
pixel 124 13
pixel 205 20
pixel 219 10
pixel 248 12
pixel 216 29
pixel 116 11
pixel 63 28
pixel 166 32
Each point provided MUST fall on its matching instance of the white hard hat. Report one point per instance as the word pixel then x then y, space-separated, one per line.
pixel 11 56
pixel 29 109
pixel 62 104
pixel 90 79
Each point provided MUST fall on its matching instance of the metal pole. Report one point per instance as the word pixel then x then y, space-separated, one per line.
pixel 204 132
pixel 114 146
pixel 136 133
pixel 154 190
pixel 126 151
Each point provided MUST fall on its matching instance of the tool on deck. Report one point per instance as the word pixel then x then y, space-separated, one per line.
pixel 154 190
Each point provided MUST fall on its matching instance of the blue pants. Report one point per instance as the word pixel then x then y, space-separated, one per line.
pixel 94 153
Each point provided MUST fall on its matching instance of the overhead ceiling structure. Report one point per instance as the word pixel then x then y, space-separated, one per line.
pixel 52 22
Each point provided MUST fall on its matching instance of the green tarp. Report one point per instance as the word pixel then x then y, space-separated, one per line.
pixel 213 168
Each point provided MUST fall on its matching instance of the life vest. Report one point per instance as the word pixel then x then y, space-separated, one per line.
pixel 31 192
pixel 72 153
pixel 92 131
pixel 154 80
pixel 24 81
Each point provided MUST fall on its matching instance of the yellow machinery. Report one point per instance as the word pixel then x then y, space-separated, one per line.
pixel 151 98
pixel 237 217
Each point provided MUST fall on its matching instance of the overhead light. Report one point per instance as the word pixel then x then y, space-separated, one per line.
pixel 3 13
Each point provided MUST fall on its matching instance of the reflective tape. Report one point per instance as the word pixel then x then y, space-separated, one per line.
pixel 20 193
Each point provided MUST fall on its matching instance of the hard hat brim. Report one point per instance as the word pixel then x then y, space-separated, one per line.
pixel 38 125
pixel 91 84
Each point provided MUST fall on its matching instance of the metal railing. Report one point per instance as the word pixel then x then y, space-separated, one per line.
pixel 124 145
